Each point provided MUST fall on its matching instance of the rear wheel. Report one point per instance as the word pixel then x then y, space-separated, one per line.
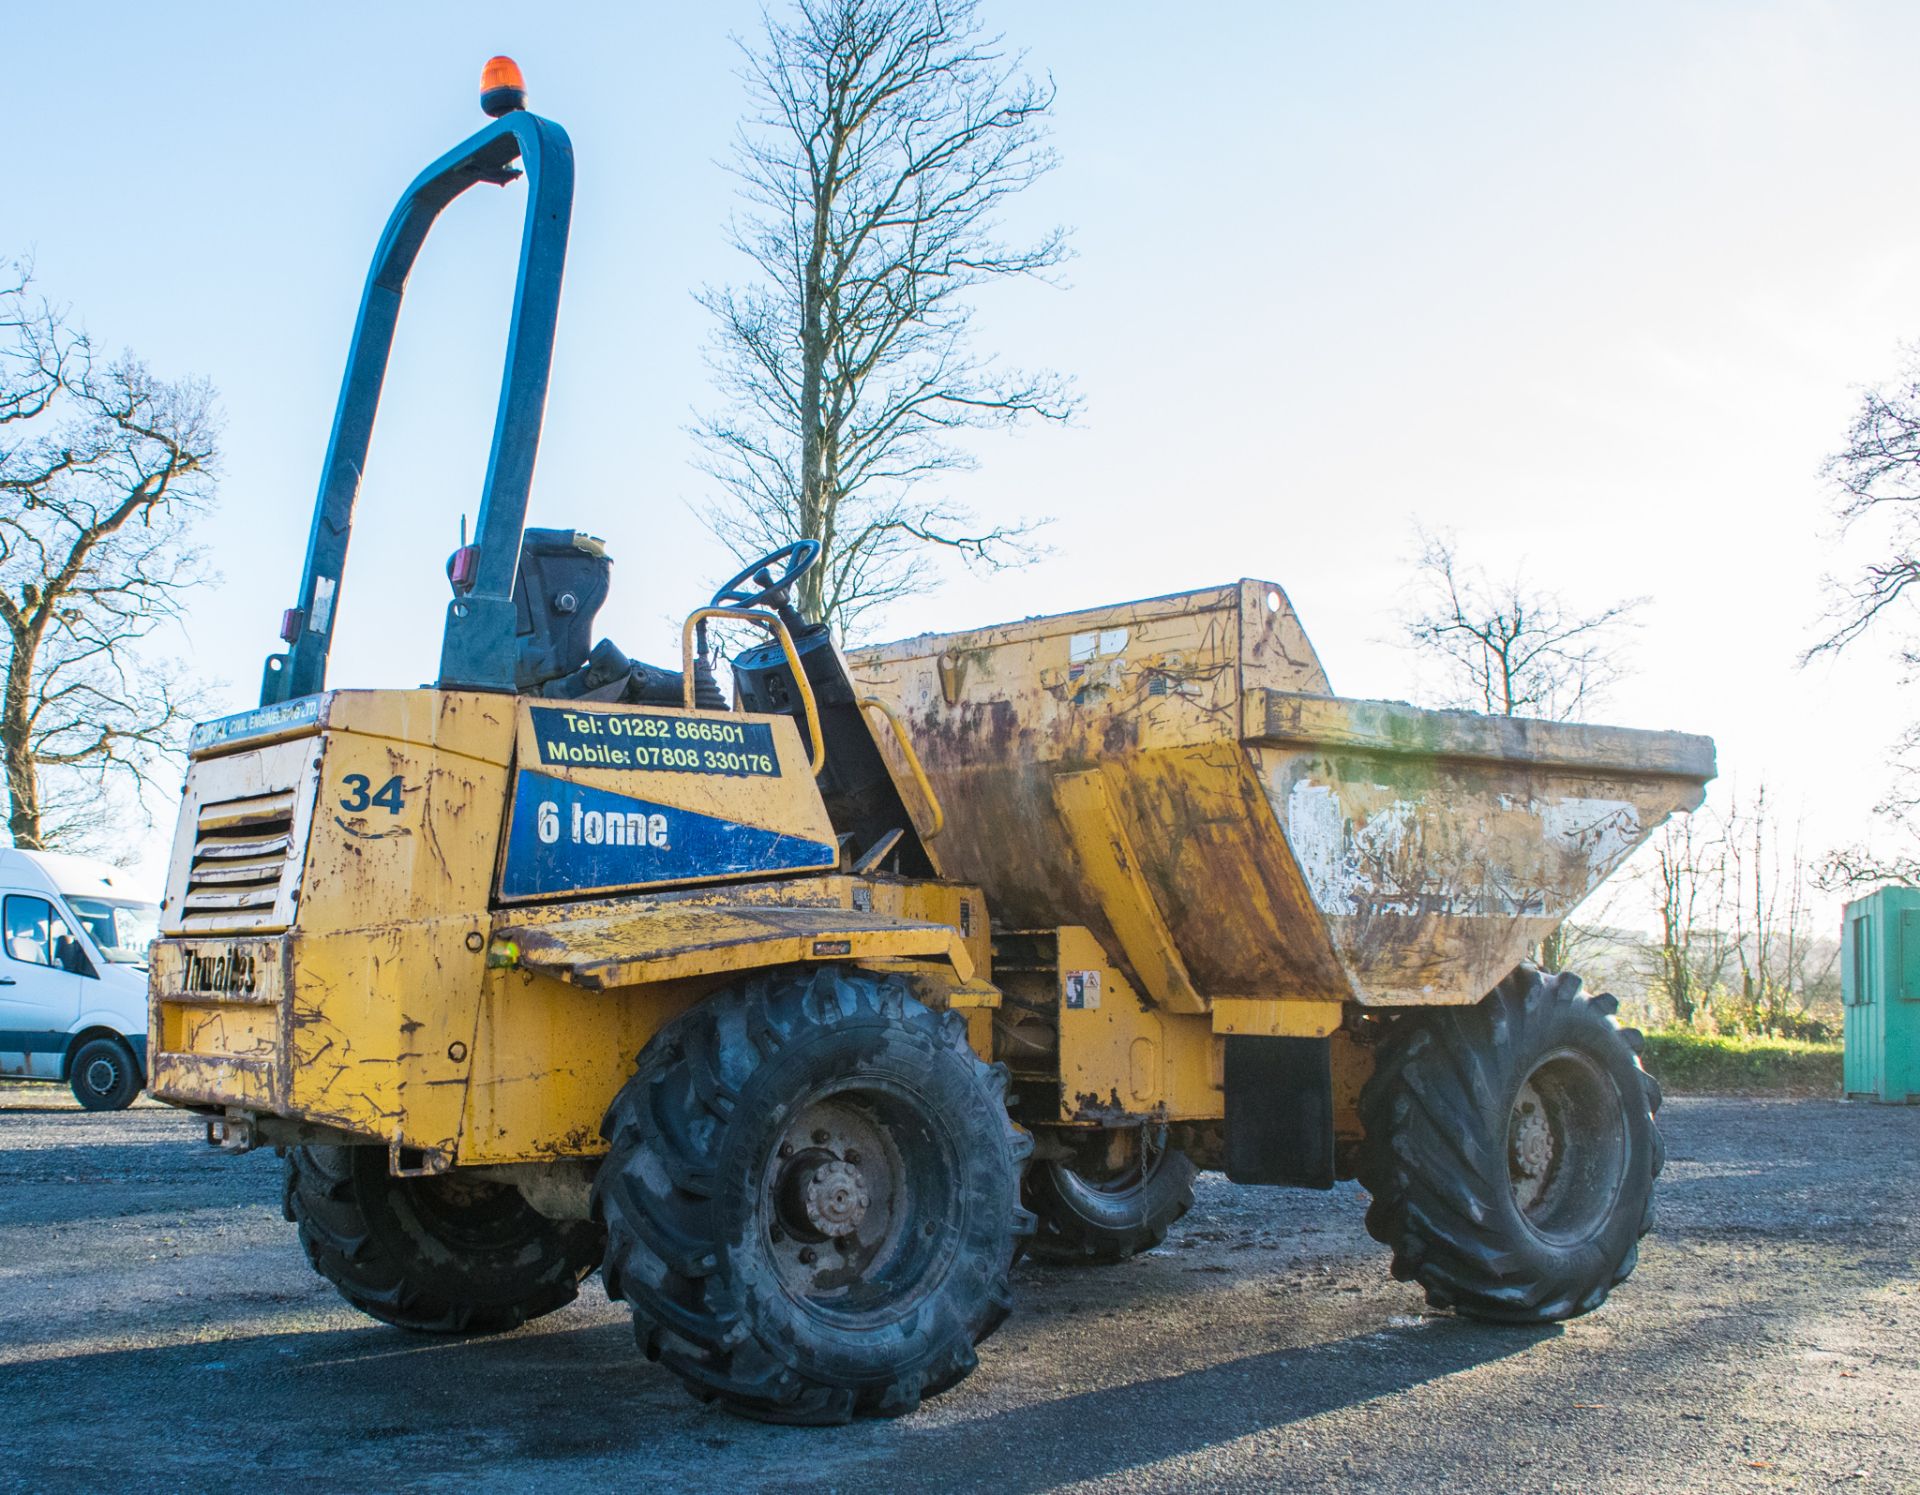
pixel 812 1198
pixel 1511 1151
pixel 104 1075
pixel 444 1254
pixel 1110 1204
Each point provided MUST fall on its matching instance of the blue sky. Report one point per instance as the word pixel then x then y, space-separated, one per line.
pixel 1591 286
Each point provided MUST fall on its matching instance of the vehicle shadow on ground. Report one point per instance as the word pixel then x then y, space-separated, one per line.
pixel 1102 1431
pixel 271 1403
pixel 359 1402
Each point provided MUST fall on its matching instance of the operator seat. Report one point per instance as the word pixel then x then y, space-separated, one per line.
pixel 563 579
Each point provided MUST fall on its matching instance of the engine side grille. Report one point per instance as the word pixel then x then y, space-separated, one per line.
pixel 241 855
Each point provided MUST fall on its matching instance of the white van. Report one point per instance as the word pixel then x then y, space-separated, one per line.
pixel 73 976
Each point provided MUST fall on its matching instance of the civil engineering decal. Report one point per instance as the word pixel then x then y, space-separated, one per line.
pixel 566 837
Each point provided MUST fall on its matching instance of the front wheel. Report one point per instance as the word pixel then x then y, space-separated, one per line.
pixel 812 1198
pixel 1511 1150
pixel 104 1075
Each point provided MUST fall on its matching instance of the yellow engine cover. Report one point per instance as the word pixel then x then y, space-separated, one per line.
pixel 357 878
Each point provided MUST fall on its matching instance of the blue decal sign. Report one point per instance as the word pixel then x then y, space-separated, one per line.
pixel 566 837
pixel 654 740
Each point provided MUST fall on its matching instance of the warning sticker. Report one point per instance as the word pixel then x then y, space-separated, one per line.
pixel 1083 990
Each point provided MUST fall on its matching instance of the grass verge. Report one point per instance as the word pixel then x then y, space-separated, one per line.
pixel 1685 1062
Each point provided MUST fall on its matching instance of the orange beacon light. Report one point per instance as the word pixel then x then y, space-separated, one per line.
pixel 502 89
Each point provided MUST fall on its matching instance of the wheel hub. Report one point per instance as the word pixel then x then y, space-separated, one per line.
pixel 1567 1146
pixel 834 1198
pixel 849 1214
pixel 102 1075
pixel 1530 1143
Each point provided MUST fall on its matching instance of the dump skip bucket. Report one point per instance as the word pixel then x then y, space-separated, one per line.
pixel 1177 775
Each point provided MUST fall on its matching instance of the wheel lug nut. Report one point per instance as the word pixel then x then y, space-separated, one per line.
pixel 808 1255
pixel 778 1234
pixel 820 1136
pixel 853 1156
pixel 786 1149
pixel 930 1228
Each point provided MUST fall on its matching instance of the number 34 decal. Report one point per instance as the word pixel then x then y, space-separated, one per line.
pixel 389 796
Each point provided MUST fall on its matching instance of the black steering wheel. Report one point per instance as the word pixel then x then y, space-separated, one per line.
pixel 798 557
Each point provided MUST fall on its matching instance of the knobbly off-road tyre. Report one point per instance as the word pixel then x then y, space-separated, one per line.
pixel 104 1076
pixel 1511 1150
pixel 1083 1217
pixel 442 1255
pixel 767 1128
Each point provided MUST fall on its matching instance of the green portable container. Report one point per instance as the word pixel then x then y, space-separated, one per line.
pixel 1880 985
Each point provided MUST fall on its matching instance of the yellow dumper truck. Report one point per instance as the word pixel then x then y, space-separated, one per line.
pixel 800 1017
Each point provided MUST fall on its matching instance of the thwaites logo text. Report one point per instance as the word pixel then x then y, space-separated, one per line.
pixel 225 971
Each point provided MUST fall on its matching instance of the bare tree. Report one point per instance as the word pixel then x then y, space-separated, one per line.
pixel 1874 480
pixel 102 465
pixel 884 140
pixel 1689 877
pixel 1510 648
pixel 1740 943
pixel 1772 923
pixel 1864 864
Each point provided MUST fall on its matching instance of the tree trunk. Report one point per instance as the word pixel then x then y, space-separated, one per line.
pixel 1679 985
pixel 814 479
pixel 16 742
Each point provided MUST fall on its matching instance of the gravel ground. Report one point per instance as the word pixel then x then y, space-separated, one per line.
pixel 160 1330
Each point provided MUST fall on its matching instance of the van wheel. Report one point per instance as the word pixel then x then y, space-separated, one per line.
pixel 445 1254
pixel 104 1075
pixel 812 1198
pixel 1511 1151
